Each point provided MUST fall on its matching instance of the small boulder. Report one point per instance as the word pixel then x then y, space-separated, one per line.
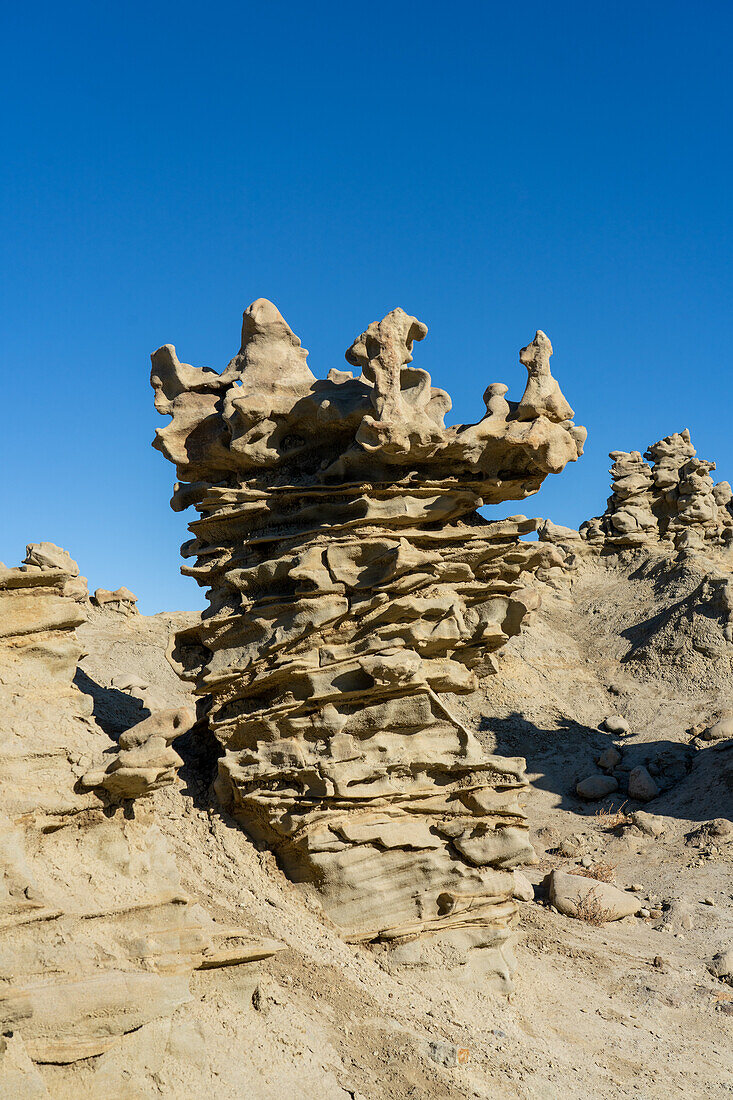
pixel 719 731
pixel 722 827
pixel 555 532
pixel 596 786
pixel 721 966
pixel 641 785
pixel 609 759
pixel 577 896
pixel 569 848
pixel 523 889
pixel 47 555
pixel 650 824
pixel 616 724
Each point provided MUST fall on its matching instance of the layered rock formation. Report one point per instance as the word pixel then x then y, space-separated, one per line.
pixel 97 937
pixel 674 500
pixel 352 583
pixel 122 599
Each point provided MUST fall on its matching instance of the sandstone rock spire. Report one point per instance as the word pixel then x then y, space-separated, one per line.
pixel 353 585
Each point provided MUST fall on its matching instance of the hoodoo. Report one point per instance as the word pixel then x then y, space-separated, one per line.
pixel 353 585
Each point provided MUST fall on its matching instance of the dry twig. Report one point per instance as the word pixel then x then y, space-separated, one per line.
pixel 591 911
pixel 602 872
pixel 612 819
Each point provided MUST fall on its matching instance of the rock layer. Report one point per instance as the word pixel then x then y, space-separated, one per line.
pixel 352 583
pixel 97 936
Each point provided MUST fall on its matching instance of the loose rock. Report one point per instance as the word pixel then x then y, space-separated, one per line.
pixel 596 786
pixel 650 824
pixel 721 966
pixel 574 895
pixel 616 724
pixel 523 889
pixel 641 785
pixel 609 759
pixel 719 731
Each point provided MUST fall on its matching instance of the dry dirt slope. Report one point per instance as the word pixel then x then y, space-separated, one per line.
pixel 628 1009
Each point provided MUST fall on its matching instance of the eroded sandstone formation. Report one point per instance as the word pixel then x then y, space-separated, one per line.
pixel 97 936
pixel 352 585
pixel 674 500
pixel 122 599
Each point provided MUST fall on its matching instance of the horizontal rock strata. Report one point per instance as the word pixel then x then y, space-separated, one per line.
pixel 97 936
pixel 352 583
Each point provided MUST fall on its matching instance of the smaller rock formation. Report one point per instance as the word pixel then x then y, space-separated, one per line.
pixel 98 937
pixel 41 603
pixel 674 500
pixel 122 600
pixel 145 760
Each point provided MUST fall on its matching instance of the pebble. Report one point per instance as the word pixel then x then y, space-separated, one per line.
pixel 636 887
pixel 586 861
pixel 645 913
pixel 708 901
pixel 445 1054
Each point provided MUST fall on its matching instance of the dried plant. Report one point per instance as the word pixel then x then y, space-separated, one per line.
pixel 590 909
pixel 601 872
pixel 612 818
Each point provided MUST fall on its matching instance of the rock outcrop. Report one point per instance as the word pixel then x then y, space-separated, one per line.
pixel 674 500
pixel 352 585
pixel 122 600
pixel 97 936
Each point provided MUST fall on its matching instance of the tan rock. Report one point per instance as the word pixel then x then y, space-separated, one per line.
pixel 674 501
pixel 122 599
pixel 98 939
pixel 353 585
pixel 574 894
pixel 596 786
pixel 719 731
pixel 145 760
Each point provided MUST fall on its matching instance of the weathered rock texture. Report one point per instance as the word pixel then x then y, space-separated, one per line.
pixel 97 937
pixel 122 599
pixel 674 500
pixel 352 582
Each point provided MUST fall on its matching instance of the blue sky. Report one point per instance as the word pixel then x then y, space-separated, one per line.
pixel 492 168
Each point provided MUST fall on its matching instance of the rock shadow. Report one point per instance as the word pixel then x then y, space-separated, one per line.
pixel 200 752
pixel 696 783
pixel 114 711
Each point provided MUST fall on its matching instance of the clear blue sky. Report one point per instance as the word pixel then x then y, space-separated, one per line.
pixel 493 168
